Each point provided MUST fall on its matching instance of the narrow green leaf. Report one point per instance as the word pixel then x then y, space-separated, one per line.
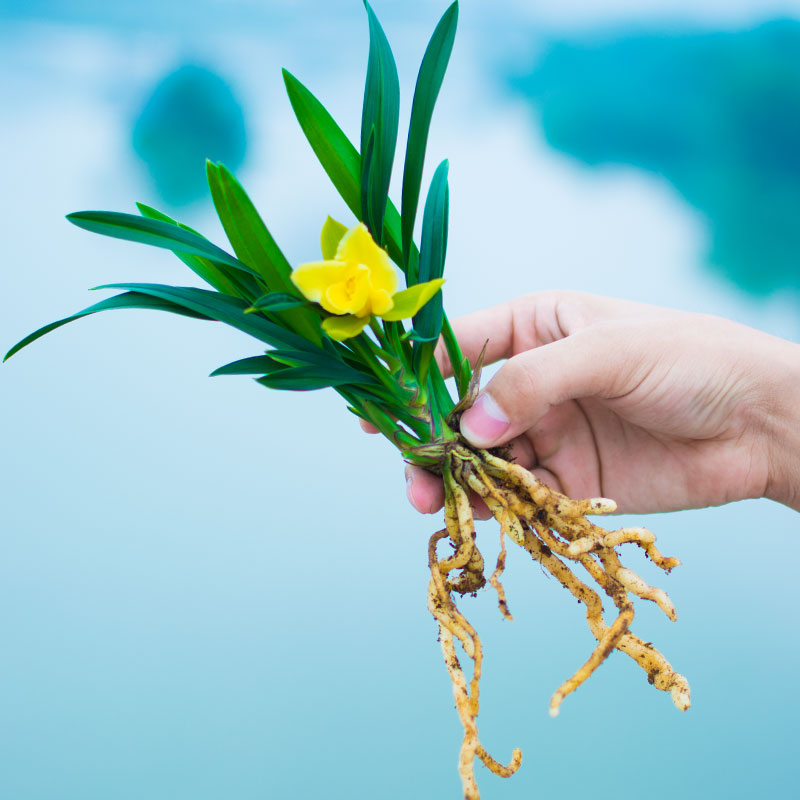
pixel 155 232
pixel 281 359
pixel 439 388
pixel 253 244
pixel 251 240
pixel 222 308
pixel 325 360
pixel 381 112
pixel 256 365
pixel 210 272
pixel 338 156
pixel 153 213
pixel 275 301
pixel 305 378
pixel 340 160
pixel 429 82
pixel 432 252
pixel 413 336
pixel 458 361
pixel 368 186
pixel 127 300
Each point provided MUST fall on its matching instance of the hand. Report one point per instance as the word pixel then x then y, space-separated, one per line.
pixel 654 408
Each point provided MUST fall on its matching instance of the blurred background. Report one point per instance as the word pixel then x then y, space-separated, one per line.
pixel 208 590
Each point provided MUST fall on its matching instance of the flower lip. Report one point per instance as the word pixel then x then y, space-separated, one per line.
pixel 351 294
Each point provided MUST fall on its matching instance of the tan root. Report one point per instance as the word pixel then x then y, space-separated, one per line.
pixel 555 531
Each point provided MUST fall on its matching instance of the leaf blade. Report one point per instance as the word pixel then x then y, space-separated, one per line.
pixel 126 300
pixel 381 113
pixel 154 232
pixel 205 268
pixel 340 159
pixel 308 378
pixel 428 322
pixel 434 227
pixel 255 365
pixel 229 310
pixel 429 82
pixel 275 301
pixel 254 245
pixel 336 153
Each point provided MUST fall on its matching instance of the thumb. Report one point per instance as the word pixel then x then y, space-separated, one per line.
pixel 527 386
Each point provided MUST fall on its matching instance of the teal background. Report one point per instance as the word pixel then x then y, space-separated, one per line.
pixel 210 591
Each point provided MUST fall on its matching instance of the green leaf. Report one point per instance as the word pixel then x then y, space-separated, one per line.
pixel 332 233
pixel 153 213
pixel 253 244
pixel 413 336
pixel 257 365
pixel 368 186
pixel 345 327
pixel 439 390
pixel 251 240
pixel 127 300
pixel 432 252
pixel 308 378
pixel 338 156
pixel 381 112
pixel 296 379
pixel 408 302
pixel 154 232
pixel 275 301
pixel 339 159
pixel 281 359
pixel 429 82
pixel 222 308
pixel 207 269
pixel 324 362
pixel 458 361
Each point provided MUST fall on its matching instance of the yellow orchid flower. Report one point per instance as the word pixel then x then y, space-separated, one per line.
pixel 356 281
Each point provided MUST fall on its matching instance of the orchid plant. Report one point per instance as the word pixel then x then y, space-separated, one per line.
pixel 344 322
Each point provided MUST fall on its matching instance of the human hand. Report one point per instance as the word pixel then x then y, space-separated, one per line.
pixel 654 408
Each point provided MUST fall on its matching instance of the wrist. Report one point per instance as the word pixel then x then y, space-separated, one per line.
pixel 781 405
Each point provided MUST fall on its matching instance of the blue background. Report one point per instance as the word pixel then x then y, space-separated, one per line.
pixel 208 590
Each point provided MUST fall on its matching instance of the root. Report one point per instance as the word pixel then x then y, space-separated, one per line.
pixel 454 625
pixel 494 578
pixel 555 531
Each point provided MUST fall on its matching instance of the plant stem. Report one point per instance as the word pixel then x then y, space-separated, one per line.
pixel 380 348
pixel 456 357
pixel 362 346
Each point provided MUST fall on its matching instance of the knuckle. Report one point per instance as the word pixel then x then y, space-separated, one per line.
pixel 514 384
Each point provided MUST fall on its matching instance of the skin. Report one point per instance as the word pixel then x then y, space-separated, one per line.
pixel 657 409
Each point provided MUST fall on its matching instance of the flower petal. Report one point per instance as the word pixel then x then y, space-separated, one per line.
pixel 380 301
pixel 358 247
pixel 350 295
pixel 332 234
pixel 408 302
pixel 314 278
pixel 339 328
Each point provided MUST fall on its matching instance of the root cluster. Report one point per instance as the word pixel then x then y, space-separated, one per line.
pixel 556 532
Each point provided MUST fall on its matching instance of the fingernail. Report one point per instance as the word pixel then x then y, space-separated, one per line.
pixel 484 423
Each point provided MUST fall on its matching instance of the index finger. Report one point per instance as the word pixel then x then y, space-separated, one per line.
pixel 505 329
